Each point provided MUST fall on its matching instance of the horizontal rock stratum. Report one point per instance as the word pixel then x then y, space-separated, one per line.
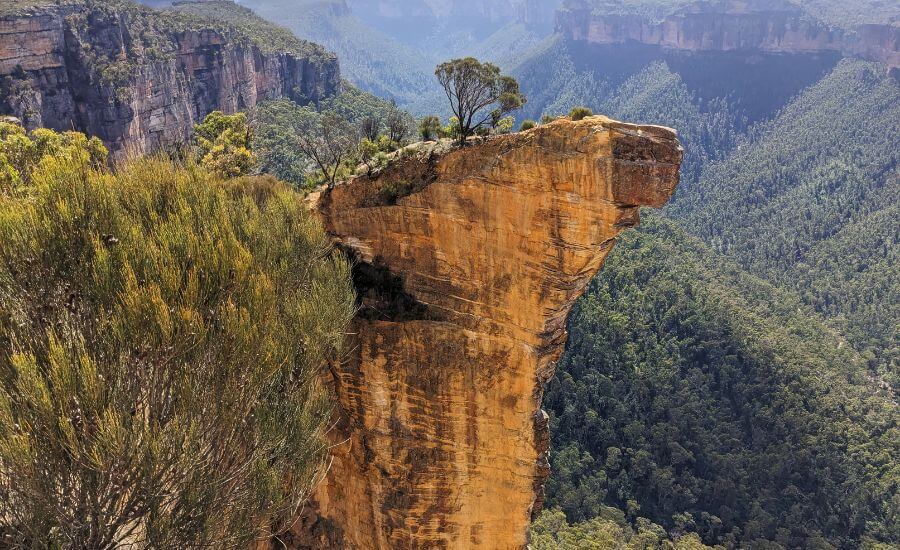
pixel 468 262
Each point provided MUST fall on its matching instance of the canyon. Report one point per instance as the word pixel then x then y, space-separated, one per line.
pixel 140 82
pixel 772 26
pixel 467 263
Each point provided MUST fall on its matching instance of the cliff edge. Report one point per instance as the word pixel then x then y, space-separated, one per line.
pixel 467 264
pixel 140 79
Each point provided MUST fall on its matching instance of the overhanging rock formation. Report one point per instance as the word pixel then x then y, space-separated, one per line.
pixel 468 264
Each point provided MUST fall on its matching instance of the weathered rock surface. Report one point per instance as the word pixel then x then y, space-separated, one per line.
pixel 772 26
pixel 75 67
pixel 468 264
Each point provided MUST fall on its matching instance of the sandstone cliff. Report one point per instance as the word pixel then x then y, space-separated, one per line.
pixel 773 26
pixel 140 79
pixel 468 264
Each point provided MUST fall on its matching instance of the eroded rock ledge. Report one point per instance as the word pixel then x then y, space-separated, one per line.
pixel 468 264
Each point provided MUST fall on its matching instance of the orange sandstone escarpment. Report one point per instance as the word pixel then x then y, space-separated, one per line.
pixel 468 263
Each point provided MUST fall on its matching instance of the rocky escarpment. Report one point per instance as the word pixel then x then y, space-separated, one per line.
pixel 773 26
pixel 467 264
pixel 141 79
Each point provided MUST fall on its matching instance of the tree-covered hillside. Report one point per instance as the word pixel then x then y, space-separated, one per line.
pixel 709 401
pixel 809 201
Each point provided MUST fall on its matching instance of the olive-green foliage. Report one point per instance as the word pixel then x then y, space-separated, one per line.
pixel 811 204
pixel 478 93
pixel 504 125
pixel 223 144
pixel 527 125
pixel 709 401
pixel 578 113
pixel 608 531
pixel 373 155
pixel 278 127
pixel 451 130
pixel 161 331
pixel 429 127
pixel 21 153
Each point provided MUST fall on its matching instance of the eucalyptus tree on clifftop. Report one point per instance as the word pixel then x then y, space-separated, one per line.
pixel 473 87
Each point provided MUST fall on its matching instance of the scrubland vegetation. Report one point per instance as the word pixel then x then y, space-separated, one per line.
pixel 162 329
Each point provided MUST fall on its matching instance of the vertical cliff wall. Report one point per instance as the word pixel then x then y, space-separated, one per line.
pixel 770 26
pixel 468 263
pixel 141 79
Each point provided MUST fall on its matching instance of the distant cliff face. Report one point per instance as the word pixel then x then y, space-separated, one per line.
pixel 773 26
pixel 468 264
pixel 136 85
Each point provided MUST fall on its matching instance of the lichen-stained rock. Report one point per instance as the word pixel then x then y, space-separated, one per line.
pixel 468 263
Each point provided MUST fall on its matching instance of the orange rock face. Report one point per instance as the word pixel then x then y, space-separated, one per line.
pixel 468 264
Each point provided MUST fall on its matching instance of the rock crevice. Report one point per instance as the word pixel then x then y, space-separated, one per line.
pixel 441 440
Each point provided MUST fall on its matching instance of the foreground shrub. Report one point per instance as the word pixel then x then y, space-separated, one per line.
pixel 161 329
pixel 224 144
pixel 21 153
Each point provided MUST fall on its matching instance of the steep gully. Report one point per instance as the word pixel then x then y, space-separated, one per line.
pixel 468 262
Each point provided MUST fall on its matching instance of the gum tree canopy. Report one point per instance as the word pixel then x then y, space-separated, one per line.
pixel 473 87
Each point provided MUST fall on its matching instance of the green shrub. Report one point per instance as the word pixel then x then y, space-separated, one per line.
pixel 21 153
pixel 578 113
pixel 429 128
pixel 527 125
pixel 224 142
pixel 161 331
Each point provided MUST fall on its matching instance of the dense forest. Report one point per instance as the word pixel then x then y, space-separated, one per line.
pixel 792 193
pixel 808 203
pixel 707 400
